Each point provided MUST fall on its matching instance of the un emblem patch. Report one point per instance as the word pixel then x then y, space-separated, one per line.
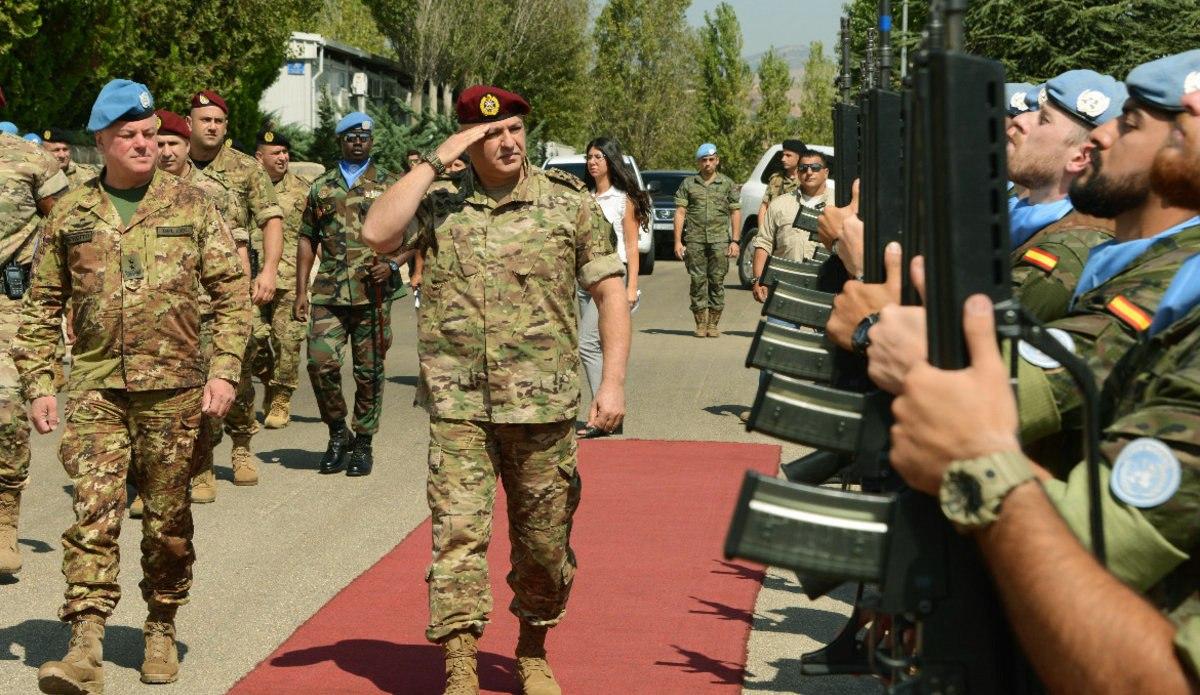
pixel 1146 473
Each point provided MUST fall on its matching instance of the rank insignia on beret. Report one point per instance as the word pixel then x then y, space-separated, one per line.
pixel 1191 83
pixel 1042 259
pixel 1092 103
pixel 203 99
pixel 1018 102
pixel 1130 313
pixel 489 105
pixel 268 136
pixel 45 135
pixel 1042 97
pixel 158 121
pixel 144 100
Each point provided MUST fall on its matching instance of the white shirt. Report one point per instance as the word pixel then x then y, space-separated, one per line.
pixel 612 203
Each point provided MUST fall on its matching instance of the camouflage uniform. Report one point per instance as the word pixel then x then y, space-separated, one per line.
pixel 707 236
pixel 280 365
pixel 779 184
pixel 498 346
pixel 1046 268
pixel 137 376
pixel 27 175
pixel 79 174
pixel 341 304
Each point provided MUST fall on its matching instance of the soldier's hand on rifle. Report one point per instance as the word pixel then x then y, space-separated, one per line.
pixel 380 272
pixel 829 224
pixel 43 413
pixel 858 300
pixel 218 397
pixel 898 340
pixel 944 416
pixel 300 308
pixel 264 289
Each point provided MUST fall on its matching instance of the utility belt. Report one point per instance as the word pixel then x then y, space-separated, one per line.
pixel 14 279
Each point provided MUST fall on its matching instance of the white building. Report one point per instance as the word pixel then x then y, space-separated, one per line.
pixel 353 77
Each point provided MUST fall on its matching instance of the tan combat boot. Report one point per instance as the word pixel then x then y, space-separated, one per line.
pixel 81 671
pixel 461 670
pixel 245 470
pixel 161 661
pixel 10 553
pixel 701 323
pixel 137 508
pixel 204 487
pixel 714 317
pixel 280 412
pixel 532 668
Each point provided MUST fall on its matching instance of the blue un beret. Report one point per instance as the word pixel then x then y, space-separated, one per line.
pixel 1162 83
pixel 1035 96
pixel 1015 94
pixel 120 100
pixel 33 137
pixel 354 119
pixel 706 150
pixel 1089 96
pixel 8 127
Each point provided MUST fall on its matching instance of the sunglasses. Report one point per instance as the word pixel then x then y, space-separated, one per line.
pixel 356 137
pixel 809 167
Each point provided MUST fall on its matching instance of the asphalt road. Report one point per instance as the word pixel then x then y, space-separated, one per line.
pixel 271 555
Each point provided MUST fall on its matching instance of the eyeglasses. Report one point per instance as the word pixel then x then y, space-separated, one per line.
pixel 809 167
pixel 356 137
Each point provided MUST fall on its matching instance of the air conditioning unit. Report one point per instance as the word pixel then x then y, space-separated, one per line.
pixel 358 84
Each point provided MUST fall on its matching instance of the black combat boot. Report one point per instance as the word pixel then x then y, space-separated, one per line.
pixel 361 459
pixel 336 454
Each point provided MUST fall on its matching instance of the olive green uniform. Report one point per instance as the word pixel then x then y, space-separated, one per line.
pixel 706 236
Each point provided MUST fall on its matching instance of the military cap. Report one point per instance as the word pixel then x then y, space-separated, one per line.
pixel 1015 97
pixel 706 150
pixel 266 136
pixel 1035 97
pixel 354 120
pixel 1163 83
pixel 793 145
pixel 9 127
pixel 208 97
pixel 55 135
pixel 484 103
pixel 171 123
pixel 1086 94
pixel 32 137
pixel 120 100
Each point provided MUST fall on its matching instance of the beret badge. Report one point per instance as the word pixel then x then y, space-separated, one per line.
pixel 268 136
pixel 1191 83
pixel 1092 103
pixel 489 105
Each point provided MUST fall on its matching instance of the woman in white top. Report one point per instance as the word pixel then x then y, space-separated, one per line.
pixel 627 207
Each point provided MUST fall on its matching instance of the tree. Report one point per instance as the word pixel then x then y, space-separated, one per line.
pixel 774 81
pixel 351 22
pixel 817 95
pixel 421 32
pixel 725 91
pixel 644 81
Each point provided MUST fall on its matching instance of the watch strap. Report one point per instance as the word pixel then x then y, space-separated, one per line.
pixel 430 157
pixel 860 340
pixel 972 490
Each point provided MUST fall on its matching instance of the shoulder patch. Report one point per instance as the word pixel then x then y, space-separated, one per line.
pixel 1145 474
pixel 566 178
pixel 1041 258
pixel 1132 314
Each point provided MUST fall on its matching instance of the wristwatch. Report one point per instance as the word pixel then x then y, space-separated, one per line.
pixel 860 340
pixel 973 489
pixel 394 266
pixel 754 280
pixel 430 157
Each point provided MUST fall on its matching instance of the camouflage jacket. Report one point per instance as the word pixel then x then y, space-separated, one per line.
pixel 708 206
pixel 79 174
pixel 779 184
pixel 333 219
pixel 27 174
pixel 292 192
pixel 134 291
pixel 497 328
pixel 1046 268
pixel 254 200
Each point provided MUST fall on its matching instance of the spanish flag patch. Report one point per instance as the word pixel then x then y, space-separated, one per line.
pixel 1042 259
pixel 1130 313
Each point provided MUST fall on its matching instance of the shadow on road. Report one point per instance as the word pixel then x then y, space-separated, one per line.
pixel 403 379
pixel 296 459
pixel 695 662
pixel 667 331
pixel 729 409
pixel 44 640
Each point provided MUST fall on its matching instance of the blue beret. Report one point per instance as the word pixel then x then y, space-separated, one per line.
pixel 706 150
pixel 354 119
pixel 1162 83
pixel 120 100
pixel 1035 96
pixel 1089 96
pixel 34 138
pixel 8 127
pixel 1015 94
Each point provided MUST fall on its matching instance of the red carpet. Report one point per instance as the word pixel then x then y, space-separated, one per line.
pixel 655 608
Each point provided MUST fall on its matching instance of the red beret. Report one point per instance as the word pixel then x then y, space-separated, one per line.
pixel 171 123
pixel 485 103
pixel 3 101
pixel 209 98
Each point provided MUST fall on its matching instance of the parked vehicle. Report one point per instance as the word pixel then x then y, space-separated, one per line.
pixel 752 195
pixel 661 185
pixel 577 165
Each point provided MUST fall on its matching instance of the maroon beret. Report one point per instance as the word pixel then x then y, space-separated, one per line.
pixel 484 103
pixel 3 101
pixel 171 123
pixel 208 97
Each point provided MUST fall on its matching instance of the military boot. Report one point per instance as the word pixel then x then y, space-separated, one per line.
pixel 161 661
pixel 10 553
pixel 701 323
pixel 714 317
pixel 334 460
pixel 81 671
pixel 532 668
pixel 245 470
pixel 204 487
pixel 461 675
pixel 280 412
pixel 361 458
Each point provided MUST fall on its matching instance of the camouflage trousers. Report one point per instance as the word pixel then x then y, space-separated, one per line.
pixel 707 265
pixel 209 435
pixel 147 436
pixel 14 425
pixel 330 328
pixel 280 365
pixel 239 421
pixel 536 464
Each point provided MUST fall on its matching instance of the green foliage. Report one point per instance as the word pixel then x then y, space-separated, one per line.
pixel 324 148
pixel 725 91
pixel 398 128
pixel 774 81
pixel 350 22
pixel 817 96
pixel 19 20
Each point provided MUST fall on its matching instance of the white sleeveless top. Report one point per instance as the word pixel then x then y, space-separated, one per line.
pixel 612 203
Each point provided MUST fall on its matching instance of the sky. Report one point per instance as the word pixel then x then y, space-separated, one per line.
pixel 767 23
